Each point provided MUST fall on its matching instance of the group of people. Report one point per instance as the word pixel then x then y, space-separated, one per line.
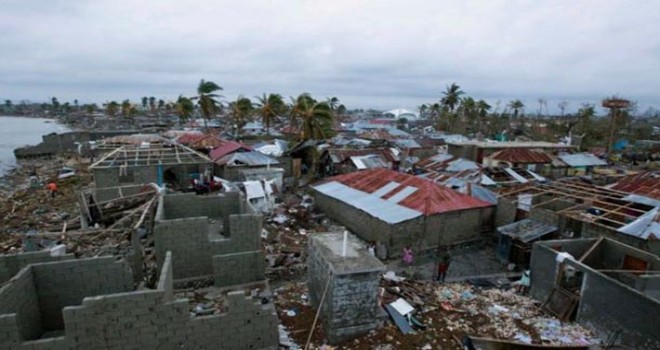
pixel 442 266
pixel 35 182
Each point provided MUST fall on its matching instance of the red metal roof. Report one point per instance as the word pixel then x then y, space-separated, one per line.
pixel 522 155
pixel 429 198
pixel 187 138
pixel 226 148
pixel 645 183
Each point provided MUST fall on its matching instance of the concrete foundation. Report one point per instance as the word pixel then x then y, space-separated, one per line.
pixel 210 236
pixel 350 306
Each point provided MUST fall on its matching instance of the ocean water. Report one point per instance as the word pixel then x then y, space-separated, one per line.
pixel 16 132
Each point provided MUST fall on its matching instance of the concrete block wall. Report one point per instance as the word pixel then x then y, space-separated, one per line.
pixel 11 264
pixel 420 233
pixel 606 305
pixel 238 268
pixel 350 307
pixel 505 213
pixel 66 283
pixel 20 318
pixel 196 246
pixel 145 319
pixel 590 230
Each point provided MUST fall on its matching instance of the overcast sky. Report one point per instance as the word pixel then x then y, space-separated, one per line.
pixel 369 53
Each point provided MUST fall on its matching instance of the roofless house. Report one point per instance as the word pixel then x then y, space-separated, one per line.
pixel 127 169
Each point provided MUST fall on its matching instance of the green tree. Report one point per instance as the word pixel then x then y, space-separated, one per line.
pixel 184 108
pixel 56 104
pixel 517 107
pixel 241 109
pixel 315 117
pixel 422 110
pixel 152 105
pixel 8 106
pixel 161 105
pixel 133 111
pixel 111 108
pixel 482 112
pixel 90 108
pixel 451 97
pixel 269 107
pixel 145 102
pixel 207 99
pixel 126 108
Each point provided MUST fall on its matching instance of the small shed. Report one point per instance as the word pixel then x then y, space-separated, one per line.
pixel 516 239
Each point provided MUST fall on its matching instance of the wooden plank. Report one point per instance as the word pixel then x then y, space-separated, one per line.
pixel 591 249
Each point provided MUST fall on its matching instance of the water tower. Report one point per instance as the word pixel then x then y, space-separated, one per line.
pixel 615 105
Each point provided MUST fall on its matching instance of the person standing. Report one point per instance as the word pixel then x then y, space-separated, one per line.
pixel 443 266
pixel 407 255
pixel 52 187
pixel 371 248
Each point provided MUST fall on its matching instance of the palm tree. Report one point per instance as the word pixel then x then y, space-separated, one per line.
pixel 133 111
pixel 422 110
pixel 241 109
pixel 161 104
pixel 145 101
pixel 451 96
pixel 269 107
pixel 435 110
pixel 316 117
pixel 482 111
pixel 56 104
pixel 468 107
pixel 126 108
pixel 184 108
pixel 517 107
pixel 8 106
pixel 152 104
pixel 333 102
pixel 206 99
pixel 111 108
pixel 90 108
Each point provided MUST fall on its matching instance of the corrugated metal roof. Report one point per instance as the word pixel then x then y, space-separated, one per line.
pixel 526 230
pixel 341 155
pixel 581 159
pixel 645 183
pixel 429 198
pixel 246 158
pixel 389 212
pixel 227 148
pixel 369 162
pixel 645 227
pixel 407 143
pixel 522 155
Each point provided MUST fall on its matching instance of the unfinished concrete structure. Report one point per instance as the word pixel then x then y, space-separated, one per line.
pixel 582 210
pixel 607 286
pixel 399 210
pixel 210 236
pixel 350 284
pixel 125 170
pixel 91 304
pixel 478 150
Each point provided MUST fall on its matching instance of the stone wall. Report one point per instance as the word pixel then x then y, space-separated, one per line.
pixel 144 319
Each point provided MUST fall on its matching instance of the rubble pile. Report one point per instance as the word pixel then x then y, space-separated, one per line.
pixel 447 312
pixel 29 206
pixel 286 231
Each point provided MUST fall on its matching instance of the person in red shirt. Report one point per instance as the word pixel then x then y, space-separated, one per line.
pixel 443 266
pixel 52 187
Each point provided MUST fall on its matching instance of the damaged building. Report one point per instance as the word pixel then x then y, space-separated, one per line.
pixel 610 287
pixel 214 237
pixel 127 169
pixel 398 210
pixel 581 210
pixel 93 304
